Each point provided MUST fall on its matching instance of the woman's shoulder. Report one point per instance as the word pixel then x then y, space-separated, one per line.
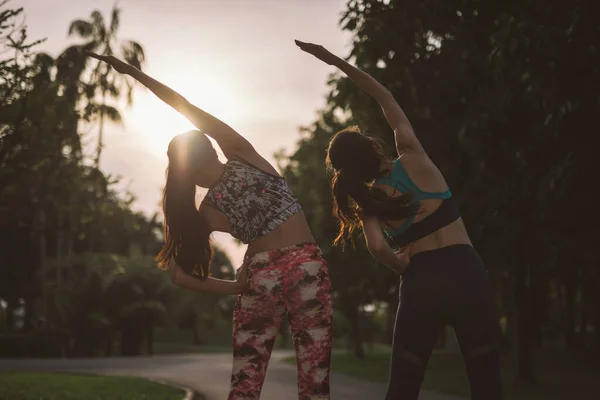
pixel 412 157
pixel 422 171
pixel 253 160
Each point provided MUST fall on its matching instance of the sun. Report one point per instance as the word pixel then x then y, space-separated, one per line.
pixel 159 123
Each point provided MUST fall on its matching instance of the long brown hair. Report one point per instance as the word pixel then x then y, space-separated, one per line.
pixel 355 164
pixel 186 231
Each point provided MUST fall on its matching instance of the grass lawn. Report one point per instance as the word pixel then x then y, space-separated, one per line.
pixel 50 386
pixel 560 376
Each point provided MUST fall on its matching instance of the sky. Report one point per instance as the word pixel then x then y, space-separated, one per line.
pixel 234 58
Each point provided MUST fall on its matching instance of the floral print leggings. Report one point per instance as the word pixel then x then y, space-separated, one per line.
pixel 295 280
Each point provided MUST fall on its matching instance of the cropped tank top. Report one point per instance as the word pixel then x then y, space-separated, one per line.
pixel 411 231
pixel 254 201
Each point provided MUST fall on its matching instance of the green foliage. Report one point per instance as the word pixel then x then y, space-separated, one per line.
pixel 47 386
pixel 104 82
pixel 76 259
pixel 37 344
pixel 503 97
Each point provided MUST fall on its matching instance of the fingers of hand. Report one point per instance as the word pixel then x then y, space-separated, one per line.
pixel 98 57
pixel 243 277
pixel 242 273
pixel 308 47
pixel 403 252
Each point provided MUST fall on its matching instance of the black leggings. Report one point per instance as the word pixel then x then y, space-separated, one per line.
pixel 447 286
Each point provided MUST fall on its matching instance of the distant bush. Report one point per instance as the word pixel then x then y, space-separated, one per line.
pixel 37 345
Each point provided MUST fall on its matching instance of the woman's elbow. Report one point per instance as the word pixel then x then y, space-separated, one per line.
pixel 388 95
pixel 176 276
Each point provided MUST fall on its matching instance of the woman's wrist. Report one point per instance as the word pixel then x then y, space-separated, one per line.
pixel 240 285
pixel 237 288
pixel 400 266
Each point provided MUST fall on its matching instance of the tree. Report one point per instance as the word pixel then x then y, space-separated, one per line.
pixel 102 38
pixel 18 91
pixel 47 263
pixel 505 117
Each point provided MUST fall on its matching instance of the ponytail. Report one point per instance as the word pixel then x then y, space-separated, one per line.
pixel 354 198
pixel 186 232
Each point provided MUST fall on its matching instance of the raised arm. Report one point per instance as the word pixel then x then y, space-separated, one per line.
pixel 211 285
pixel 231 142
pixel 404 135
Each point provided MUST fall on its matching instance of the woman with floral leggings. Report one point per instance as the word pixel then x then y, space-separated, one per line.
pixel 283 271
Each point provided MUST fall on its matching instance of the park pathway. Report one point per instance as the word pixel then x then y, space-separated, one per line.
pixel 207 374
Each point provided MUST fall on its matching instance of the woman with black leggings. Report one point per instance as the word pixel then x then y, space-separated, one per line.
pixel 412 225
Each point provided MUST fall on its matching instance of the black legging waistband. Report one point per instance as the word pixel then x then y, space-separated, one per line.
pixel 442 255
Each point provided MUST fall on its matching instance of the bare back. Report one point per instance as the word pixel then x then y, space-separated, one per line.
pixel 427 177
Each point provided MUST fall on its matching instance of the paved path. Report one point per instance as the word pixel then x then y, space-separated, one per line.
pixel 208 374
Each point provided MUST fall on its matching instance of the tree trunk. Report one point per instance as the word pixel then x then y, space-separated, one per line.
pixel 100 133
pixel 512 315
pixel 71 230
pixel 195 331
pixel 354 317
pixel 526 298
pixel 570 293
pixel 59 246
pixel 583 323
pixel 131 340
pixel 587 299
pixel 525 320
pixel 538 288
pixel 597 316
pixel 150 340
pixel 95 205
pixel 109 344
pixel 28 315
pixel 10 315
pixel 43 312
pixel 125 342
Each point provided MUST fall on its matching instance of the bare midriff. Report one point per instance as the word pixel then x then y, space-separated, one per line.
pixel 294 230
pixel 451 234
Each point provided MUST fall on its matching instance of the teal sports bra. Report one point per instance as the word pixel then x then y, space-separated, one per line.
pixel 401 181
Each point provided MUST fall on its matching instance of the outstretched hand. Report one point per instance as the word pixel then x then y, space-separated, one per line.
pixel 118 65
pixel 242 279
pixel 404 255
pixel 316 50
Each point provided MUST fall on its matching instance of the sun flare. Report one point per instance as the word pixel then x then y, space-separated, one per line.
pixel 159 123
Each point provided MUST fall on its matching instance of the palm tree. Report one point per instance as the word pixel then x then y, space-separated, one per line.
pixel 102 39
